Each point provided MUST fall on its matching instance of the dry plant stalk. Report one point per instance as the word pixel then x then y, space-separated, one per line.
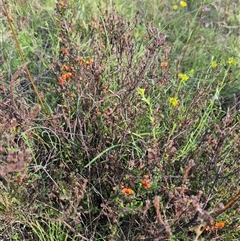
pixel 156 204
pixel 188 168
pixel 10 22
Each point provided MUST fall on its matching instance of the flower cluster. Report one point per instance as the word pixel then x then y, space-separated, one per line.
pixel 183 4
pixel 64 78
pixel 85 61
pixel 145 183
pixel 230 62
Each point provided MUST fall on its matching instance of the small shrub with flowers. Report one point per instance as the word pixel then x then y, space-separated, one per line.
pixel 137 134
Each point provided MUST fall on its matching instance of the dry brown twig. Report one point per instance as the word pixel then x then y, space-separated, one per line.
pixel 188 168
pixel 156 204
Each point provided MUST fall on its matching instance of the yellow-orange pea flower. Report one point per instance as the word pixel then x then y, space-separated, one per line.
pixel 64 78
pixel 127 191
pixel 85 61
pixel 164 64
pixel 67 76
pixel 219 225
pixel 146 183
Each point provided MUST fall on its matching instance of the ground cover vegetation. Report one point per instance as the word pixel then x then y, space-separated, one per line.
pixel 120 121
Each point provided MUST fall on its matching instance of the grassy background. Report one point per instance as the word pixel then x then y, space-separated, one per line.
pixel 137 135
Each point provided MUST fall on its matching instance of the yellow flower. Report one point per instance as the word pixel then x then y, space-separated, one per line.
pixel 141 91
pixel 183 4
pixel 214 64
pixel 183 77
pixel 174 6
pixel 231 61
pixel 173 101
pixel 191 72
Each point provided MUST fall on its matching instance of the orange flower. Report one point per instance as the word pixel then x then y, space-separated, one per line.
pixel 89 61
pixel 146 183
pixel 62 80
pixel 67 76
pixel 127 191
pixel 164 64
pixel 219 225
pixel 216 226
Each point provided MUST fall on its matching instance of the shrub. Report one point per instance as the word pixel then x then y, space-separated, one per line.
pixel 132 147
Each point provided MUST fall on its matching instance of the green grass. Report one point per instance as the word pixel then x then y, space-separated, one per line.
pixel 137 135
